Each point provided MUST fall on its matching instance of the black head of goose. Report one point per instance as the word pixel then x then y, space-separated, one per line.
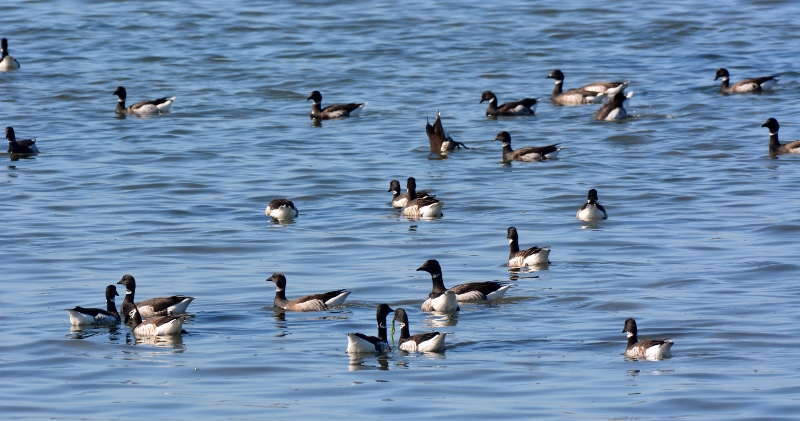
pixel 775 146
pixel 358 342
pixel 22 146
pixel 420 206
pixel 534 256
pixel 593 93
pixel 400 200
pixel 145 107
pixel 332 111
pixel 526 106
pixel 154 326
pixel 591 210
pixel 95 316
pixel 614 108
pixel 7 62
pixel 159 306
pixel 421 342
pixel 756 84
pixel 526 154
pixel 281 209
pixel 315 302
pixel 438 138
pixel 471 291
pixel 650 349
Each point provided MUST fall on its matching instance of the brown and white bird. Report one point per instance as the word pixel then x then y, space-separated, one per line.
pixel 526 106
pixel 332 111
pixel 614 108
pixel 421 342
pixel 526 154
pixel 650 349
pixel 756 84
pixel 446 299
pixel 534 256
pixel 155 326
pixel 360 343
pixel 776 147
pixel 96 316
pixel 593 93
pixel 420 207
pixel 315 302
pixel 591 210
pixel 145 107
pixel 7 62
pixel 159 306
pixel 281 209
pixel 439 139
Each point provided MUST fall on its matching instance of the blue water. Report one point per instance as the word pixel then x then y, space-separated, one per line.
pixel 700 244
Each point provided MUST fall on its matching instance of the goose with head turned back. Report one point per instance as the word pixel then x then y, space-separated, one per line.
pixel 614 108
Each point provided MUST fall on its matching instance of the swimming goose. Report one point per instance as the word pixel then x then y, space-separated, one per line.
pixel 6 61
pixel 438 138
pixel 420 207
pixel 281 209
pixel 775 147
pixel 421 342
pixel 757 84
pixel 96 316
pixel 22 146
pixel 316 302
pixel 526 154
pixel 154 326
pixel 160 306
pixel 332 111
pixel 144 107
pixel 400 200
pixel 591 210
pixel 614 108
pixel 593 93
pixel 651 349
pixel 530 257
pixel 440 298
pixel 525 107
pixel 358 342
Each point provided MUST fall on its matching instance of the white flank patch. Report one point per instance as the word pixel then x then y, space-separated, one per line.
pixel 338 300
pixel 312 305
pixel 356 345
pixel 769 84
pixel 540 258
pixel 165 105
pixel 499 293
pixel 146 109
pixel 435 344
pixel 9 63
pixel 77 318
pixel 357 111
pixel 471 296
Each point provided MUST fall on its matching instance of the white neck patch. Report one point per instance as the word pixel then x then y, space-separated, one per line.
pixel 438 275
pixel 629 334
pixel 278 289
pixel 127 291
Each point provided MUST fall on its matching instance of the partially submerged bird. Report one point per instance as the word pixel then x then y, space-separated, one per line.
pixel 438 138
pixel 756 84
pixel 400 200
pixel 332 111
pixel 651 349
pixel 315 302
pixel 593 93
pixel 159 306
pixel 420 207
pixel 95 316
pixel 281 209
pixel 22 146
pixel 526 154
pixel 775 147
pixel 7 62
pixel 154 326
pixel 534 256
pixel 614 108
pixel 526 106
pixel 446 300
pixel 421 342
pixel 145 107
pixel 358 342
pixel 591 210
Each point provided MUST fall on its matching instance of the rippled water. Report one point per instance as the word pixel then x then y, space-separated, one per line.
pixel 700 244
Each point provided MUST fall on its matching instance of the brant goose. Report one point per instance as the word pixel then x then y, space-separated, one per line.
pixel 281 209
pixel 472 291
pixel 420 207
pixel 144 107
pixel 756 84
pixel 421 342
pixel 591 210
pixel 527 154
pixel 23 146
pixel 593 93
pixel 155 326
pixel 96 316
pixel 316 302
pixel 530 257
pixel 358 342
pixel 525 107
pixel 614 108
pixel 651 349
pixel 332 111
pixel 160 306
pixel 7 62
pixel 400 200
pixel 775 147
pixel 438 138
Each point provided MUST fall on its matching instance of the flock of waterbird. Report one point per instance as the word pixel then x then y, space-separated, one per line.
pixel 164 316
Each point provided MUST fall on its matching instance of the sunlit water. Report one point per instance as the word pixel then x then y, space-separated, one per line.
pixel 700 244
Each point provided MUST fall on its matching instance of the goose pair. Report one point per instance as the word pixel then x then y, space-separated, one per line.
pixel 421 342
pixel 22 146
pixel 332 111
pixel 446 299
pixel 159 306
pixel 756 84
pixel 145 107
pixel 593 93
pixel 418 206
pixel 7 62
pixel 400 200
